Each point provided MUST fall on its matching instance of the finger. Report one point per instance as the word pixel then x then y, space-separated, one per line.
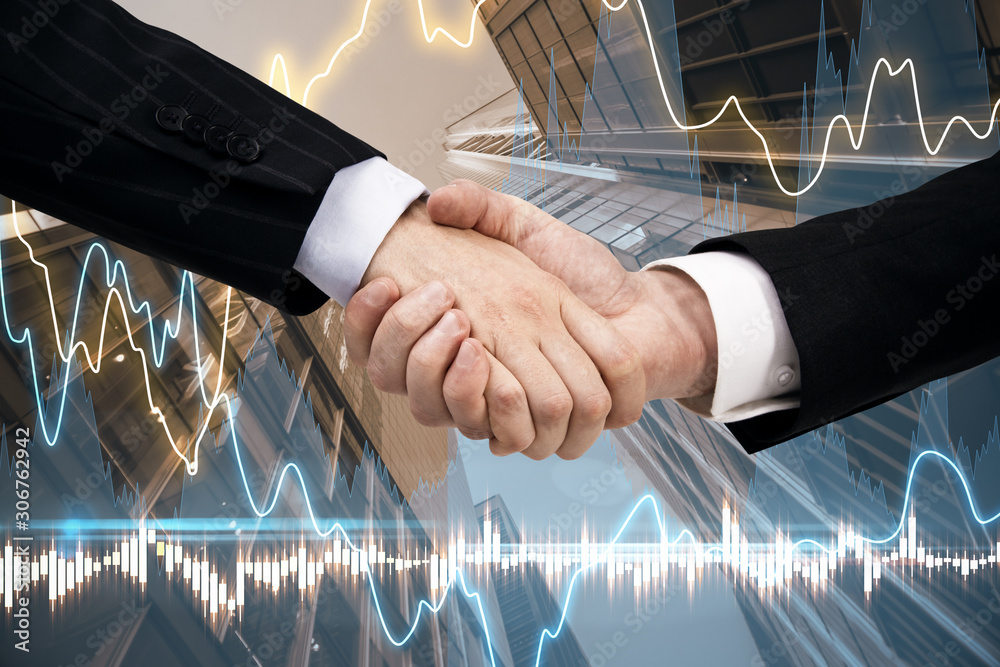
pixel 427 365
pixel 509 415
pixel 363 314
pixel 465 388
pixel 539 236
pixel 548 399
pixel 468 205
pixel 615 357
pixel 458 204
pixel 590 398
pixel 403 325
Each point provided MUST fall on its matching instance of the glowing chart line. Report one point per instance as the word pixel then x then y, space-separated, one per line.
pixel 732 101
pixel 279 60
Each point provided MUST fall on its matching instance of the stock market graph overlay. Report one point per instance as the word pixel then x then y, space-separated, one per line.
pixel 190 476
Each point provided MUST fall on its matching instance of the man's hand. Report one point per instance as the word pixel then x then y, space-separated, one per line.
pixel 557 371
pixel 662 312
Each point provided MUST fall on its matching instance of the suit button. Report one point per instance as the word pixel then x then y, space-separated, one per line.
pixel 216 137
pixel 170 117
pixel 194 128
pixel 242 147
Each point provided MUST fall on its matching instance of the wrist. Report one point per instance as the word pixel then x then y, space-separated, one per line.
pixel 681 360
pixel 397 255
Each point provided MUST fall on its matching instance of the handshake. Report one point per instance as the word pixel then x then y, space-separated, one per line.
pixel 496 318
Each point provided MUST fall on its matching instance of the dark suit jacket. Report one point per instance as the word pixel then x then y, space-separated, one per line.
pixel 884 298
pixel 81 85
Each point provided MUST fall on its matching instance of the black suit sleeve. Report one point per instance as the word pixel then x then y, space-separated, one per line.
pixel 81 85
pixel 884 298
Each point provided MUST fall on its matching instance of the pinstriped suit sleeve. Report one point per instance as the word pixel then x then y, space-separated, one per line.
pixel 881 299
pixel 80 87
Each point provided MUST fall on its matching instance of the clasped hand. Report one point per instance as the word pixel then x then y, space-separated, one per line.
pixel 496 318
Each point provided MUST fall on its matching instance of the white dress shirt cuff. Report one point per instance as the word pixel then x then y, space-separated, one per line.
pixel 358 210
pixel 758 369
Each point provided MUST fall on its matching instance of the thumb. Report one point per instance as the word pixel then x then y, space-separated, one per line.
pixel 554 246
pixel 467 205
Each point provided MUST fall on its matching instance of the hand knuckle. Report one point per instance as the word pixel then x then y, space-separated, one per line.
pixel 379 377
pixel 355 356
pixel 421 417
pixel 352 316
pixel 508 399
pixel 401 325
pixel 634 415
pixel 621 416
pixel 536 453
pixel 528 302
pixel 500 448
pixel 518 441
pixel 555 407
pixel 375 375
pixel 475 433
pixel 457 395
pixel 624 359
pixel 423 359
pixel 425 416
pixel 567 454
pixel 596 406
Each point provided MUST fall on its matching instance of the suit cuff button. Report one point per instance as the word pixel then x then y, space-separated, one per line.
pixel 243 148
pixel 194 128
pixel 784 375
pixel 216 138
pixel 170 117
